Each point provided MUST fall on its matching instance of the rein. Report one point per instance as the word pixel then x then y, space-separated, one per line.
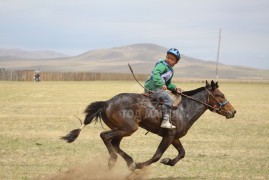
pixel 189 97
pixel 221 104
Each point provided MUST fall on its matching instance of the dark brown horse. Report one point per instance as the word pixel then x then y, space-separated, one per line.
pixel 124 113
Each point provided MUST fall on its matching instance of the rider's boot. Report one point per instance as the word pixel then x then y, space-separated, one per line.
pixel 166 118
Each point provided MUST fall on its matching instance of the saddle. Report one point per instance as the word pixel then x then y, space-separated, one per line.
pixel 159 102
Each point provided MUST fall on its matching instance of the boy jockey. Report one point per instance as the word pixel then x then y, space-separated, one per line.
pixel 160 81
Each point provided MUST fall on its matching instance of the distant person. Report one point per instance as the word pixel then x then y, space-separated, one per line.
pixel 160 81
pixel 37 77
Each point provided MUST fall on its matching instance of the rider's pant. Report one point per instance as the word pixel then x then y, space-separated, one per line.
pixel 165 96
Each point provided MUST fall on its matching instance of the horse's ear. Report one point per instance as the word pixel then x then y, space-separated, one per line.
pixel 206 83
pixel 213 85
pixel 217 84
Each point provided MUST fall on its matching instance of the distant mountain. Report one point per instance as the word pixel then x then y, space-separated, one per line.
pixel 23 54
pixel 142 58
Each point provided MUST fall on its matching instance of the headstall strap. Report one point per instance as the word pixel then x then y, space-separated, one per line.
pixel 221 104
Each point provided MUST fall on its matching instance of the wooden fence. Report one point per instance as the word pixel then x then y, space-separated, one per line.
pixel 27 75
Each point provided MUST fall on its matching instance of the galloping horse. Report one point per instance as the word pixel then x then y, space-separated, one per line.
pixel 125 112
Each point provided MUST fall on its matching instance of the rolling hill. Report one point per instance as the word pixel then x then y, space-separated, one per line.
pixel 142 57
pixel 23 54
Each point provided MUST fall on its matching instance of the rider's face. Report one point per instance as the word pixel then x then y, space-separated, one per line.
pixel 171 60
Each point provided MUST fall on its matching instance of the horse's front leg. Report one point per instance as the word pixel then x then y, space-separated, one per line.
pixel 181 154
pixel 165 143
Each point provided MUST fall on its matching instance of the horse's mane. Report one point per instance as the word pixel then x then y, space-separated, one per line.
pixel 192 92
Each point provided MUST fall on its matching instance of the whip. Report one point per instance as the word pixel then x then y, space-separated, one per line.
pixel 137 80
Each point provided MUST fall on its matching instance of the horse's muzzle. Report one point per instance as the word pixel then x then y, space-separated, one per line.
pixel 230 114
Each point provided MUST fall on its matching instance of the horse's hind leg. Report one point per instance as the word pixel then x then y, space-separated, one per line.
pixel 129 160
pixel 107 137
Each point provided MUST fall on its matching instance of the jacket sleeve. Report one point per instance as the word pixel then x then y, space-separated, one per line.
pixel 157 72
pixel 170 85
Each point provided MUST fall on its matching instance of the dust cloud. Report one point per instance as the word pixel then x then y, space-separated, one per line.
pixel 97 169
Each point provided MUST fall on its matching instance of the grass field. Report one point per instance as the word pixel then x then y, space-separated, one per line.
pixel 34 115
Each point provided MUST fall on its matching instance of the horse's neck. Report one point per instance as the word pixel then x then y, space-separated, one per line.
pixel 192 110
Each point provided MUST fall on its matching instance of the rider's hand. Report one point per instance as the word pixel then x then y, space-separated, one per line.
pixel 164 87
pixel 179 90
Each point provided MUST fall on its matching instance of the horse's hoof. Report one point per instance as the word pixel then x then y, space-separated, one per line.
pixel 139 166
pixel 111 164
pixel 165 161
pixel 132 166
pixel 112 160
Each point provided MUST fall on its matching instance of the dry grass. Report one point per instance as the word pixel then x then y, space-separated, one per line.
pixel 34 115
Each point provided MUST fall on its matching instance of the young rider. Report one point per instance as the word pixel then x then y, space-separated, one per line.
pixel 160 81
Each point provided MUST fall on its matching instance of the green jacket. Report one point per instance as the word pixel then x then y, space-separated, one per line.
pixel 161 75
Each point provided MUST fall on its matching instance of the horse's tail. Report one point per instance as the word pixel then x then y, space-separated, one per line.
pixel 93 112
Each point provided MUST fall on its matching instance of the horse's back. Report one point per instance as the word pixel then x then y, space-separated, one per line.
pixel 121 112
pixel 132 103
pixel 126 98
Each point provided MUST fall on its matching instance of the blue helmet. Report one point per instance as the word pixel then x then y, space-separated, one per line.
pixel 174 52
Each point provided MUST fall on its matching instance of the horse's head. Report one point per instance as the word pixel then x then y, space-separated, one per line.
pixel 218 100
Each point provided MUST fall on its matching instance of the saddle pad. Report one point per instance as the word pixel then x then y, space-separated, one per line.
pixel 176 98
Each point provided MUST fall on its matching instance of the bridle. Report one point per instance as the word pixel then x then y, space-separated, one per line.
pixel 221 104
pixel 212 108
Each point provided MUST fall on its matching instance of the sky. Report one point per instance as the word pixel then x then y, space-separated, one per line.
pixel 73 27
